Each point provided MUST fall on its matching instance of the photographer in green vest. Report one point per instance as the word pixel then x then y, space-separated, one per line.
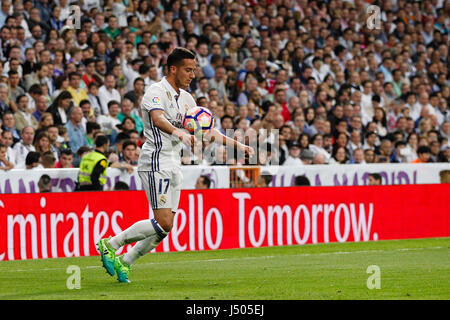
pixel 92 174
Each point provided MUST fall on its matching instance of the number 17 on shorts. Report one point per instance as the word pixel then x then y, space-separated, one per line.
pixel 162 188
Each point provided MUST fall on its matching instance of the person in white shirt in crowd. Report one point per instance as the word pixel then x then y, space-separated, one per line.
pixel 316 146
pixel 424 103
pixel 108 92
pixel 130 70
pixel 354 142
pixel 109 121
pixel 24 146
pixel 293 158
pixel 7 140
pixel 203 87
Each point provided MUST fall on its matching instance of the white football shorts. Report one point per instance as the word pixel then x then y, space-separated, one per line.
pixel 163 188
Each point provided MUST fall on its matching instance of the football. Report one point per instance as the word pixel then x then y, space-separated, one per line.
pixel 198 120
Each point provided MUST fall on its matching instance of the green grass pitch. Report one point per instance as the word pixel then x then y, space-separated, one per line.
pixel 408 269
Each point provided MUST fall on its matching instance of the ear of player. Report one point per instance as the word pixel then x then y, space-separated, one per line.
pixel 198 121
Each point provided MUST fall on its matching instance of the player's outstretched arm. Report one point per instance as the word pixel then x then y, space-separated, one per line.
pixel 216 136
pixel 161 122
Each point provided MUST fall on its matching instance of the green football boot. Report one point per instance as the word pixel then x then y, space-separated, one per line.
pixel 108 255
pixel 122 269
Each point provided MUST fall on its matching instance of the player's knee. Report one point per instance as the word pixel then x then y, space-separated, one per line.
pixel 166 224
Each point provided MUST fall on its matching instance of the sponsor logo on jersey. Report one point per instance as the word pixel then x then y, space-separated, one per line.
pixel 156 100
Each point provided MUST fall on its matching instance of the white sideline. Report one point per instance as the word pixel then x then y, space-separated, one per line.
pixel 231 259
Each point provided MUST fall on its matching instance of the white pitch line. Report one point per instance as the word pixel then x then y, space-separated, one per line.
pixel 236 259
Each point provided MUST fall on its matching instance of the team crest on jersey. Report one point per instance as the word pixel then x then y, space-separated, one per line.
pixel 162 200
pixel 156 100
pixel 169 95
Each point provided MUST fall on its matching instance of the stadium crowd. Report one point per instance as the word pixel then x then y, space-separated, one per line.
pixel 339 83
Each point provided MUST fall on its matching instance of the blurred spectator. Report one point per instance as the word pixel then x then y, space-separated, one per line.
pixel 444 176
pixel 24 146
pixel 109 122
pixel 42 142
pixel 48 160
pixel 444 155
pixel 374 179
pixel 9 125
pixel 45 183
pixel 127 107
pixel 78 94
pixel 264 180
pixel 60 108
pixel 203 182
pixel 129 152
pixel 92 128
pixel 319 158
pixel 5 164
pixel 293 157
pixel 307 156
pixel 108 92
pixel 423 155
pixel 75 131
pixel 7 140
pixel 23 116
pixel 301 181
pixel 120 185
pixel 65 159
pixel 315 68
pixel 33 160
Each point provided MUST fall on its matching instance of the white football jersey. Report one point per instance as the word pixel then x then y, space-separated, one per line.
pixel 162 151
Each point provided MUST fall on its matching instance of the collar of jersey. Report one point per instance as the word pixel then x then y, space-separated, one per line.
pixel 168 86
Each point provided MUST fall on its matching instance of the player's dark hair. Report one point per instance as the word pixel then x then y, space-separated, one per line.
pixel 178 55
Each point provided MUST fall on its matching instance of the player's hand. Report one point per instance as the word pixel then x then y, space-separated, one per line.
pixel 184 137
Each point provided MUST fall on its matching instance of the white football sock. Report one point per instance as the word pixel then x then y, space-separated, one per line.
pixel 141 248
pixel 138 231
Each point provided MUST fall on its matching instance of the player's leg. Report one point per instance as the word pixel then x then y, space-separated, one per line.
pixel 164 219
pixel 160 199
pixel 122 264
pixel 142 247
pixel 138 231
pixel 144 228
pixel 163 216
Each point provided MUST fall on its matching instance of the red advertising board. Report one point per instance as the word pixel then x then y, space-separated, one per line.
pixel 69 224
pixel 51 225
